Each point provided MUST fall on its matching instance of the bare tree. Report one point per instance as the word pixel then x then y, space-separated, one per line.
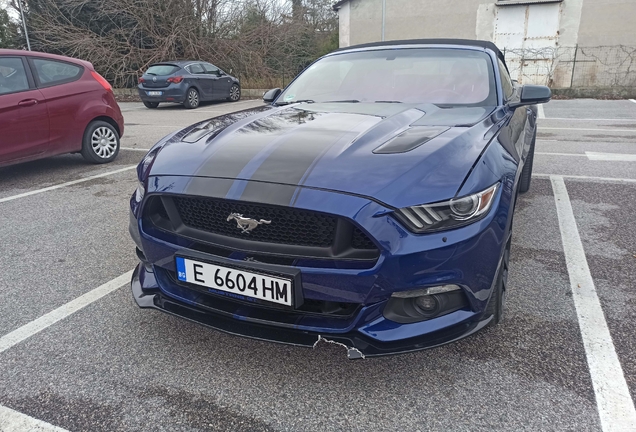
pixel 265 42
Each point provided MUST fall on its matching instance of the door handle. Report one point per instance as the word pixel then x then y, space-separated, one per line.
pixel 28 102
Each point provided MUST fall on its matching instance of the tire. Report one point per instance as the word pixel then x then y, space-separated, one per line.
pixel 151 104
pixel 235 93
pixel 526 174
pixel 101 142
pixel 192 99
pixel 496 304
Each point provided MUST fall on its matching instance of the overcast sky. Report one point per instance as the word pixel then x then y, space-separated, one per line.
pixel 4 4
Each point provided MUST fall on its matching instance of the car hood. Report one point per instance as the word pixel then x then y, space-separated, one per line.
pixel 335 146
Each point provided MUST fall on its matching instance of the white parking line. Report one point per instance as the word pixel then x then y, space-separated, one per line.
pixel 559 154
pixel 587 178
pixel 154 126
pixel 590 129
pixel 14 421
pixel 591 119
pixel 135 149
pixel 633 100
pixel 540 111
pixel 61 185
pixel 613 401
pixel 36 326
pixel 595 156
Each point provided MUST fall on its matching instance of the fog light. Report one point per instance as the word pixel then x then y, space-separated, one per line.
pixel 427 303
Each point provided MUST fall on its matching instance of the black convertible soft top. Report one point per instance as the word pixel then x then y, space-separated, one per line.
pixel 467 42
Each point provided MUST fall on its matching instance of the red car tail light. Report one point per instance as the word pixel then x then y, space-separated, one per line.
pixel 100 79
pixel 141 80
pixel 175 80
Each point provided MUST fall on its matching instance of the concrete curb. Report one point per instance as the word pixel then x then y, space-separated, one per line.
pixel 596 92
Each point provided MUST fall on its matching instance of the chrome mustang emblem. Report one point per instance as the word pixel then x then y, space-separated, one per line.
pixel 246 224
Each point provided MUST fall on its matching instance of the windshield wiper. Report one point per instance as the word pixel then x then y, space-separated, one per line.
pixel 388 101
pixel 150 73
pixel 296 101
pixel 344 101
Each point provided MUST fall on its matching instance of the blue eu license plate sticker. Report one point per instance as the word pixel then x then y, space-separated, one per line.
pixel 181 273
pixel 254 285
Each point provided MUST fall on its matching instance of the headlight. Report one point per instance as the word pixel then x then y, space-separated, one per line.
pixel 141 190
pixel 448 214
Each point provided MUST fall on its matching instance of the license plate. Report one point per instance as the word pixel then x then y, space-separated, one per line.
pixel 227 279
pixel 155 93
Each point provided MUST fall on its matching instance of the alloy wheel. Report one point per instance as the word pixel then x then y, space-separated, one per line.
pixel 193 98
pixel 104 142
pixel 235 93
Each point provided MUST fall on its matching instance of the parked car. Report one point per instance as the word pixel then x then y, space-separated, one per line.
pixel 51 104
pixel 370 203
pixel 188 83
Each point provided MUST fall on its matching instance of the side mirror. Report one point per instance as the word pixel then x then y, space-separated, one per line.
pixel 221 73
pixel 532 95
pixel 271 95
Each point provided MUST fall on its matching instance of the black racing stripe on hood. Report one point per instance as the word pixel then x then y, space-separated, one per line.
pixel 237 152
pixel 262 193
pixel 291 160
pixel 270 193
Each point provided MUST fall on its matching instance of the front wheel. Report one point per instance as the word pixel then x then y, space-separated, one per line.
pixel 101 142
pixel 235 93
pixel 192 99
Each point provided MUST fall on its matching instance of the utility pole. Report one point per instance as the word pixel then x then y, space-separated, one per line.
pixel 383 17
pixel 26 33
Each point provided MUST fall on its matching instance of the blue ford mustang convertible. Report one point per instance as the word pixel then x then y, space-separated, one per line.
pixel 370 203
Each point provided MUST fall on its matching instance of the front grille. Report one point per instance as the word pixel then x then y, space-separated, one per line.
pixel 287 225
pixel 293 236
pixel 361 241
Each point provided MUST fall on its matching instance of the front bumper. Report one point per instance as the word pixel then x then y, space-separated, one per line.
pixel 468 257
pixel 148 295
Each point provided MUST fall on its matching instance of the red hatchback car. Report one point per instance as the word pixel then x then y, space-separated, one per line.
pixel 51 104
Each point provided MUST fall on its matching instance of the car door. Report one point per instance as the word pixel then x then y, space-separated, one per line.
pixel 57 80
pixel 204 81
pixel 24 120
pixel 515 132
pixel 222 82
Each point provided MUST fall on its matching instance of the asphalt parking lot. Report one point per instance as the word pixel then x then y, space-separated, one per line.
pixel 77 354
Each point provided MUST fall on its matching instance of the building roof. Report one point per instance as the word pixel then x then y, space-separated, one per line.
pixel 466 42
pixel 340 3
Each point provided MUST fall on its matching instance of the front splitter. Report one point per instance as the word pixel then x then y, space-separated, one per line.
pixel 357 345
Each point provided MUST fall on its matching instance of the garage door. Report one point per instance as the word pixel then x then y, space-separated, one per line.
pixel 529 35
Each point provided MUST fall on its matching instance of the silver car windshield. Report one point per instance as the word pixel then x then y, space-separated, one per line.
pixel 454 77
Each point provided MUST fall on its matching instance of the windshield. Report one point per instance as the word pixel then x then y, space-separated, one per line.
pixel 413 75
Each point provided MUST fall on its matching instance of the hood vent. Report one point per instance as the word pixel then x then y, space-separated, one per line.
pixel 410 139
pixel 196 134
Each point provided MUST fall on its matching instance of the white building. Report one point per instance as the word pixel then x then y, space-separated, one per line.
pixel 563 43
